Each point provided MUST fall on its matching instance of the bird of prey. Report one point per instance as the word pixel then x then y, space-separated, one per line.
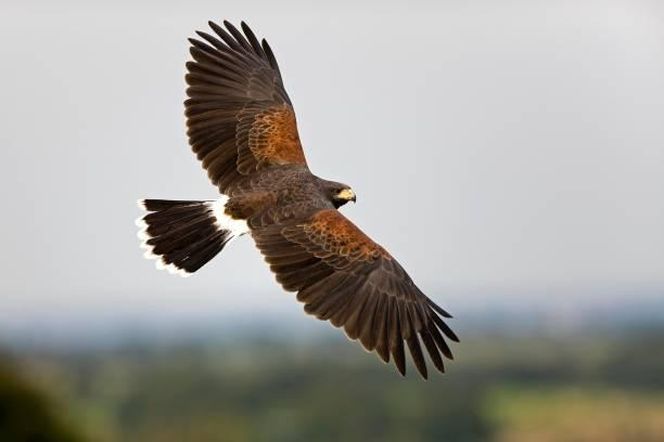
pixel 241 126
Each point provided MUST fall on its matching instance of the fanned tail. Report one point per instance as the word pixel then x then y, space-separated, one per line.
pixel 184 235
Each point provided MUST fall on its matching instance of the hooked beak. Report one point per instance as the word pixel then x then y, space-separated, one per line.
pixel 348 195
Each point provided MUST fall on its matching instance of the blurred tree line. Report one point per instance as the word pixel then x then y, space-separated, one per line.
pixel 508 388
pixel 26 414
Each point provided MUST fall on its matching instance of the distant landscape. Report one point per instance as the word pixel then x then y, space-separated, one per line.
pixel 601 383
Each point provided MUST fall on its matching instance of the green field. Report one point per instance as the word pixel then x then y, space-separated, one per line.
pixel 605 387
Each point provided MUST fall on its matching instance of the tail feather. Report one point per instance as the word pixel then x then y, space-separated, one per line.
pixel 184 235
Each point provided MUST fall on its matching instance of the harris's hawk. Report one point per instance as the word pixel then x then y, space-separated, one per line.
pixel 241 126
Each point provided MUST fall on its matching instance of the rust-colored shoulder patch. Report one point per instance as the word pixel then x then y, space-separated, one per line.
pixel 336 234
pixel 273 137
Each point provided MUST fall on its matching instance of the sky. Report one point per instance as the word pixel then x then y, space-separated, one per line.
pixel 504 152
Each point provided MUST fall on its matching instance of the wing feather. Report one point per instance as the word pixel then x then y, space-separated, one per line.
pixel 396 339
pixel 432 350
pixel 381 320
pixel 367 334
pixel 258 49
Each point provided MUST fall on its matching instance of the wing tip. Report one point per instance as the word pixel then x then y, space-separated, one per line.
pixel 452 336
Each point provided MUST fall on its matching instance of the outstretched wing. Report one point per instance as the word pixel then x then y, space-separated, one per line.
pixel 341 275
pixel 239 116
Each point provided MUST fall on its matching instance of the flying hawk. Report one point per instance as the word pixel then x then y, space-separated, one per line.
pixel 241 126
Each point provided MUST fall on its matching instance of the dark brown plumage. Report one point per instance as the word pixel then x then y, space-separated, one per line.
pixel 241 125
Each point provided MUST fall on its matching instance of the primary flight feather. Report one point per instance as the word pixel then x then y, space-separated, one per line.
pixel 241 126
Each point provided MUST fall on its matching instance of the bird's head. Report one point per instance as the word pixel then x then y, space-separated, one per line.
pixel 339 193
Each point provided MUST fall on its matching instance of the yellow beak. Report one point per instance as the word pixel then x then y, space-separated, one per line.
pixel 348 195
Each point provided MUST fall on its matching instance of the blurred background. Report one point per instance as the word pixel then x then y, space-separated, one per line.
pixel 510 154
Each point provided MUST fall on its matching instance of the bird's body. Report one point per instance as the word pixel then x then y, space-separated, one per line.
pixel 241 125
pixel 279 193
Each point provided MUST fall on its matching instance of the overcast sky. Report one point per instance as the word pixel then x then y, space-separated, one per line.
pixel 500 150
